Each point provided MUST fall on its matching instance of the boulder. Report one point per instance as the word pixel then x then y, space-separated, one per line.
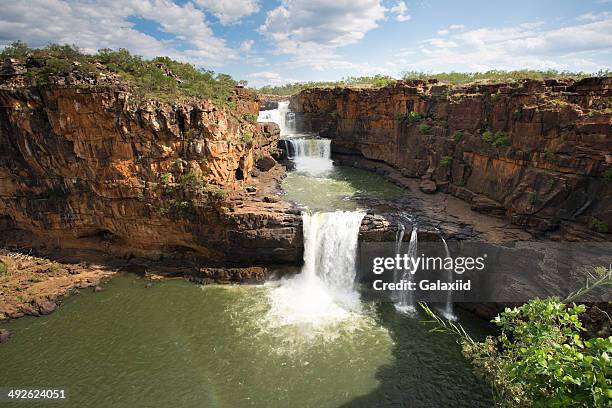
pixel 265 163
pixel 428 186
pixel 44 306
pixel 4 335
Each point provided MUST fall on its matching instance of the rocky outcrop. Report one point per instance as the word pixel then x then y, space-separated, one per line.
pixel 537 152
pixel 90 166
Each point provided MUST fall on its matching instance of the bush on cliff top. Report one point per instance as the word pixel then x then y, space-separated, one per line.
pixel 455 78
pixel 498 76
pixel 161 78
pixel 375 81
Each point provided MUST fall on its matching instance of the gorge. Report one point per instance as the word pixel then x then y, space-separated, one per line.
pixel 103 187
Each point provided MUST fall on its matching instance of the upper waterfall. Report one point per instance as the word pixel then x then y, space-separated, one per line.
pixel 282 116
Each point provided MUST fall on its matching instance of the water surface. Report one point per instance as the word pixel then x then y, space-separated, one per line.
pixel 182 345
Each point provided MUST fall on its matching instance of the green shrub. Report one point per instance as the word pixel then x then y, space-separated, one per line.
pixel 599 226
pixel 458 136
pixel 498 139
pixel 608 175
pixel 540 360
pixel 3 269
pixel 517 114
pixel 532 197
pixel 425 129
pixel 165 178
pixel 414 117
pixel 250 117
pixel 397 116
pixel 247 138
pixel 446 161
pixel 487 136
pixel 501 139
pixel 191 180
pixel 216 192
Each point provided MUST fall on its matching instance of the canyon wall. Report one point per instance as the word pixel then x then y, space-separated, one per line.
pixel 538 152
pixel 89 166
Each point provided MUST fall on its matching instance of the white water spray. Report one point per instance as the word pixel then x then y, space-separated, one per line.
pixel 405 301
pixel 323 293
pixel 448 307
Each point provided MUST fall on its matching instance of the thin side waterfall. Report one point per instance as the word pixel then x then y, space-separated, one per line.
pixel 405 303
pixel 448 307
pixel 282 116
pixel 323 292
pixel 399 237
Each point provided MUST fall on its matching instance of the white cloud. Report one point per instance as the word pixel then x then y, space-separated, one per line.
pixel 230 11
pixel 593 17
pixel 456 27
pixel 247 45
pixel 443 32
pixel 259 79
pixel 400 10
pixel 93 25
pixel 311 30
pixel 524 46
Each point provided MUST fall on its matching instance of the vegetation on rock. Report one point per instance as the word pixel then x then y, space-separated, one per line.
pixel 160 78
pixel 498 76
pixel 454 78
pixel 541 357
pixel 375 81
pixel 599 226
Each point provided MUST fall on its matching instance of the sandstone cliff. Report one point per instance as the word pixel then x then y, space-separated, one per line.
pixel 538 152
pixel 84 164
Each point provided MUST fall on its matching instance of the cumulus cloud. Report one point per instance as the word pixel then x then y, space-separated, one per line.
pixel 247 45
pixel 311 30
pixel 524 46
pixel 400 9
pixel 106 24
pixel 230 11
pixel 259 79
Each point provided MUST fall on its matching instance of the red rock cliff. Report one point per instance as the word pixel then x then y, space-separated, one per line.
pixel 539 152
pixel 88 167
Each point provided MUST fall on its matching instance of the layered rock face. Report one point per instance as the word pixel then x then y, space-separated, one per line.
pixel 89 167
pixel 537 152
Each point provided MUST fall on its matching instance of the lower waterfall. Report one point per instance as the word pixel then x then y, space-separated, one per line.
pixel 323 293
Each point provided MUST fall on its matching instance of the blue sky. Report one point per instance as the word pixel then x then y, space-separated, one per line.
pixel 272 42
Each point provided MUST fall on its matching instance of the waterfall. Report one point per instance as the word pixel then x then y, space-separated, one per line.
pixel 399 238
pixel 282 116
pixel 405 301
pixel 311 156
pixel 448 307
pixel 303 147
pixel 323 292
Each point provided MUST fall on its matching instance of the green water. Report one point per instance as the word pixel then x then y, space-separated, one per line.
pixel 178 344
pixel 337 189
